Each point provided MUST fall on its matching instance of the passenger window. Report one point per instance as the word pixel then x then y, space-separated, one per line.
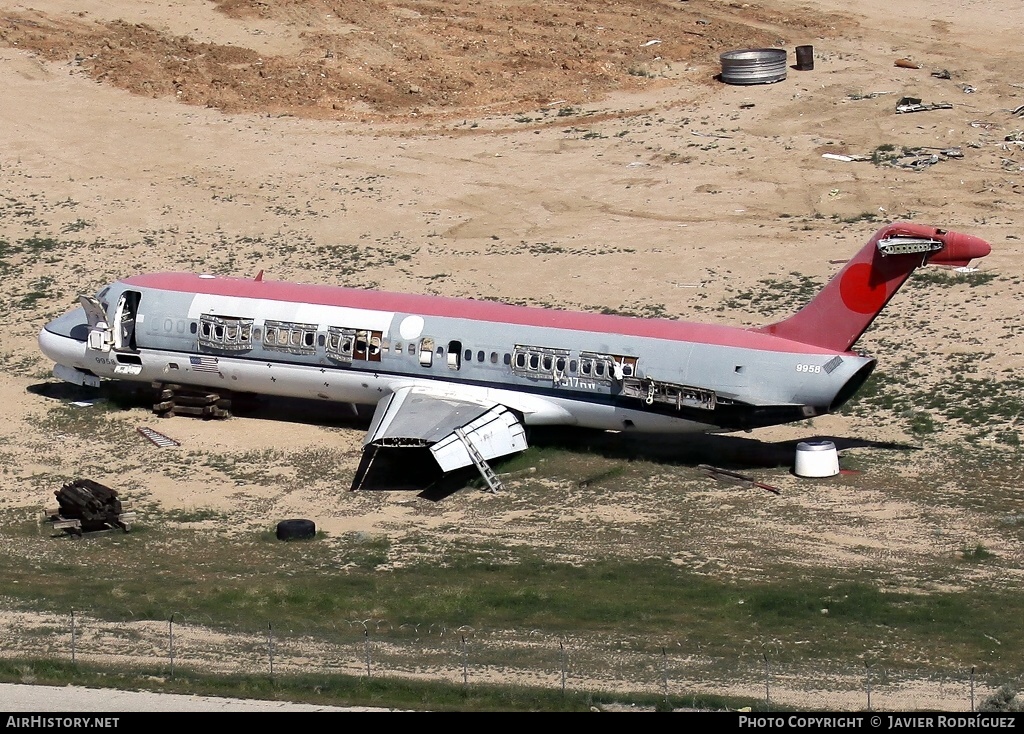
pixel 507 359
pixel 494 358
pixel 480 357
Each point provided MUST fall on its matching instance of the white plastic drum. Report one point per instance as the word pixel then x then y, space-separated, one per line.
pixel 816 459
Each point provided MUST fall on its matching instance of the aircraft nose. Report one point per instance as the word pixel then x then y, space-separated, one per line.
pixel 63 339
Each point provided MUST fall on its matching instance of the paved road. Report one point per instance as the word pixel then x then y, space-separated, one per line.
pixel 73 699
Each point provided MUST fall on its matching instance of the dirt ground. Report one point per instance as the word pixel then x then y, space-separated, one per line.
pixel 573 155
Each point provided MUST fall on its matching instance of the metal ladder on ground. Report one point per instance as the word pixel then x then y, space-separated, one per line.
pixel 480 463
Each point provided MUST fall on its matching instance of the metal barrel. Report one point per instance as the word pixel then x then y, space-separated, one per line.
pixel 804 58
pixel 754 66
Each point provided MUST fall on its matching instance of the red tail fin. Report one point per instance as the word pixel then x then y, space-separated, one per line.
pixel 845 308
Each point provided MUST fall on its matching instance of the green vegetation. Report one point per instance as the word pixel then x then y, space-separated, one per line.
pixel 249 581
pixel 348 690
pixel 774 298
pixel 976 552
pixel 987 404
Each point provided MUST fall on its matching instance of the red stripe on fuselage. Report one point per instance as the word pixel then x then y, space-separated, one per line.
pixel 483 311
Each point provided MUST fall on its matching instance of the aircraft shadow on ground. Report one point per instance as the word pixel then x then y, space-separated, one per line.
pixel 723 450
pixel 129 396
pixel 726 451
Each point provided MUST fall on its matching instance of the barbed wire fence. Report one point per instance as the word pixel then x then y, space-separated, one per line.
pixel 464 655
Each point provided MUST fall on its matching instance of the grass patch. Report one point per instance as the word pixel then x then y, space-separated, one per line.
pixel 248 582
pixel 774 298
pixel 976 553
pixel 348 690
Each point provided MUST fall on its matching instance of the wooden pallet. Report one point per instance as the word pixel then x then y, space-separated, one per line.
pixel 73 526
pixel 173 399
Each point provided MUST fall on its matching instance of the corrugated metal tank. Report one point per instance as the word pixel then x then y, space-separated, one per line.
pixel 754 66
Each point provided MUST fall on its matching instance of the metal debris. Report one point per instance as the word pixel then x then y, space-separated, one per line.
pixel 918 164
pixel 869 95
pixel 845 158
pixel 913 104
pixel 158 439
pixel 920 161
pixel 942 74
pixel 753 66
pixel 724 475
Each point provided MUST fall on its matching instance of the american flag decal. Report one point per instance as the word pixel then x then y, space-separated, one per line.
pixel 204 364
pixel 831 365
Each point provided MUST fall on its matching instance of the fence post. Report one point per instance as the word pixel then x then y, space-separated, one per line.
pixel 767 688
pixel 270 646
pixel 972 689
pixel 170 643
pixel 561 657
pixel 366 643
pixel 72 636
pixel 465 671
pixel 867 669
pixel 664 673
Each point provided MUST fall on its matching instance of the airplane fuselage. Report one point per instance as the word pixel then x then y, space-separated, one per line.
pixel 355 346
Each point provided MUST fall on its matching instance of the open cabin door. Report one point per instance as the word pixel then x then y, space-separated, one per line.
pixel 120 335
pixel 100 337
pixel 124 320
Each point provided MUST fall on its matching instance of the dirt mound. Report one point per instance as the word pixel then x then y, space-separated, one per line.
pixel 378 60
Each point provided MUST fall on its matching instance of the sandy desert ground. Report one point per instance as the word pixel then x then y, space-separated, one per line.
pixel 548 154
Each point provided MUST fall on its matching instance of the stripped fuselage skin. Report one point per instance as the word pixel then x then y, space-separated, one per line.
pixel 437 367
pixel 551 367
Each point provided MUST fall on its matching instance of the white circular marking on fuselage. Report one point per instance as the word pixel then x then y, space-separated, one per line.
pixel 411 327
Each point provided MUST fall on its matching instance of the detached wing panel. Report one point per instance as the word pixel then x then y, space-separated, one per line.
pixel 417 422
pixel 495 433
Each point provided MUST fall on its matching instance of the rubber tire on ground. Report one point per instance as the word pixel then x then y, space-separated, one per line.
pixel 296 530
